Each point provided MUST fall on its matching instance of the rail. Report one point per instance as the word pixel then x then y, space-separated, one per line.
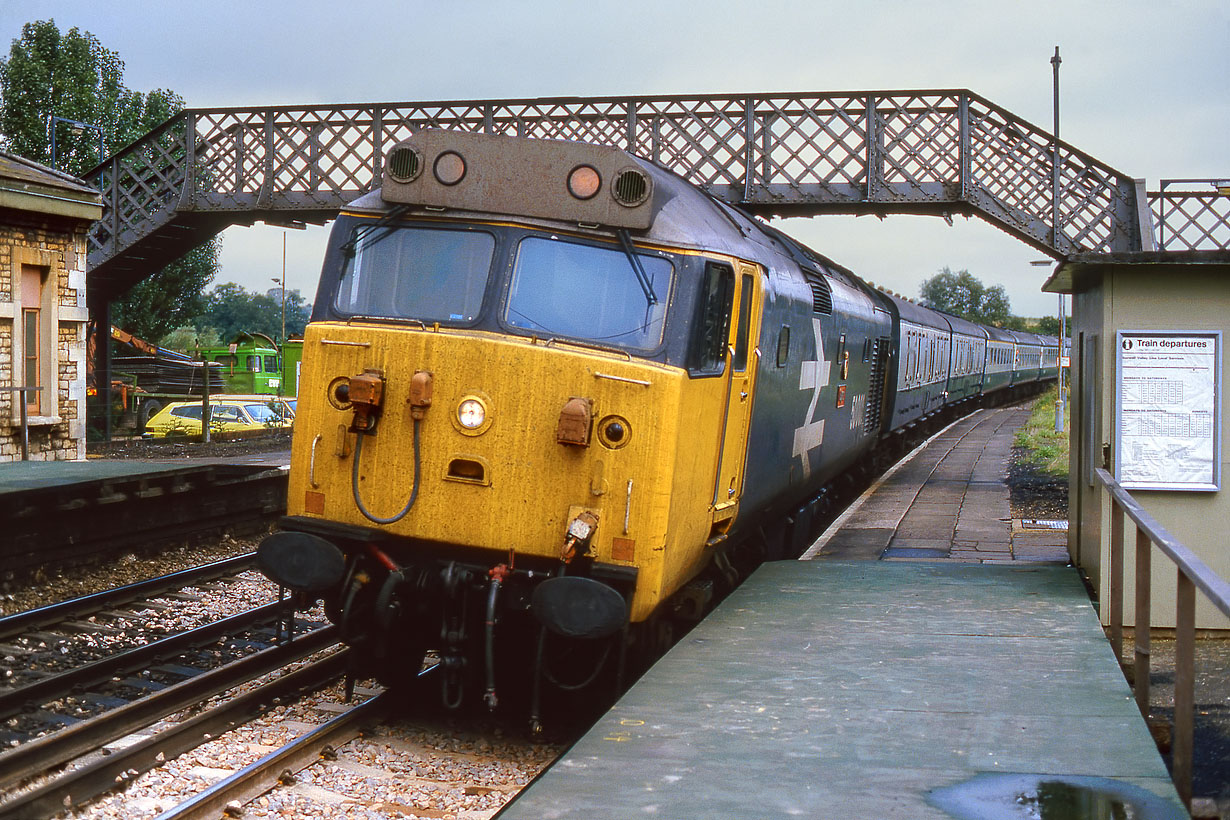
pixel 1192 574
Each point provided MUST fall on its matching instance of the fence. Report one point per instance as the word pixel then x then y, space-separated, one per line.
pixel 1191 574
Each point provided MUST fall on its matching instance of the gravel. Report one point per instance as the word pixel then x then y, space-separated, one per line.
pixel 271 441
pixel 52 586
pixel 1034 494
pixel 398 769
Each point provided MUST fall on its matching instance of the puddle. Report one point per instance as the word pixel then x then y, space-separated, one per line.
pixel 1051 797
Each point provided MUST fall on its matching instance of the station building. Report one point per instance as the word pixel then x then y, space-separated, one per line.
pixel 1163 439
pixel 44 217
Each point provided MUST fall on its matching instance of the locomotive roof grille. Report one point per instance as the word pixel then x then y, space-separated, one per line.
pixel 631 187
pixel 821 293
pixel 404 163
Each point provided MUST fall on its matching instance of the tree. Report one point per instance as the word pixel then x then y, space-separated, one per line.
pixel 74 76
pixel 172 297
pixel 187 339
pixel 230 310
pixel 963 294
pixel 1049 326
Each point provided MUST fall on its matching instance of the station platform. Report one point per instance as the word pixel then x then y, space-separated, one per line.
pixel 25 476
pixel 924 664
pixel 946 500
pixel 57 514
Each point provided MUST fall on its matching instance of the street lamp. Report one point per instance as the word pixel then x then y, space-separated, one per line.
pixel 282 341
pixel 76 128
pixel 1059 405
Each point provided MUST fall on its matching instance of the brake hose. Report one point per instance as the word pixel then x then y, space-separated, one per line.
pixel 354 481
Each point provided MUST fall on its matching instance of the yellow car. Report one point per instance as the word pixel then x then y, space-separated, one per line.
pixel 227 415
pixel 282 405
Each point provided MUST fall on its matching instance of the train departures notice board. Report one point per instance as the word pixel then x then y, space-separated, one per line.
pixel 1168 391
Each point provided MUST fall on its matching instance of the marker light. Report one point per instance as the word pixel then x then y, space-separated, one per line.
pixel 584 182
pixel 449 168
pixel 471 414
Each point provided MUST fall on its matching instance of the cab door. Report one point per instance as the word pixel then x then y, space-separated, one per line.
pixel 742 362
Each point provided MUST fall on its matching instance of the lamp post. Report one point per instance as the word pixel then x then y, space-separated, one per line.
pixel 1063 339
pixel 282 341
pixel 76 128
pixel 1059 404
pixel 1055 61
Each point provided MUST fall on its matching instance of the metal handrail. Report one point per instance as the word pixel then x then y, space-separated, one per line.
pixel 1192 574
pixel 1192 214
pixel 25 418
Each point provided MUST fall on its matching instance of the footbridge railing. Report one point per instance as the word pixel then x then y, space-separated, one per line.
pixel 932 152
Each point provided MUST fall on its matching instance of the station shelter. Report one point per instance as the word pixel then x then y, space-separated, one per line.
pixel 44 217
pixel 1148 338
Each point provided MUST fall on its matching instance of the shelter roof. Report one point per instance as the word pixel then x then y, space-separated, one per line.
pixel 26 185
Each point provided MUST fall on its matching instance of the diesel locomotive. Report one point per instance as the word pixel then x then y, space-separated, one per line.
pixel 554 398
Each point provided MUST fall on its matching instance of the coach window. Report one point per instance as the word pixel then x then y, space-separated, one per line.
pixel 910 355
pixel 712 325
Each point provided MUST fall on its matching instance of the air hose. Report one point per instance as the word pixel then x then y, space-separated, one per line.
pixel 493 593
pixel 354 481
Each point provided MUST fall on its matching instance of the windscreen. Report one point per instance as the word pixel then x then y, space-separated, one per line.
pixel 587 292
pixel 262 413
pixel 430 274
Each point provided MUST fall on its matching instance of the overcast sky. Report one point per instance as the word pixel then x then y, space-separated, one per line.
pixel 1145 84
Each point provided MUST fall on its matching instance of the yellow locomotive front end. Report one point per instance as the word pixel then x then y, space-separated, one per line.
pixel 502 439
pixel 519 440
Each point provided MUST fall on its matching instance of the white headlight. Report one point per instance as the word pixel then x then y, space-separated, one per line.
pixel 471 414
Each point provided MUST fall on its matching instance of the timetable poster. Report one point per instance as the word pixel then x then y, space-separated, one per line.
pixel 1169 407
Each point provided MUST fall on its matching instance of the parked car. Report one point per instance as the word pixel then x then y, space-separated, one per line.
pixel 282 405
pixel 227 414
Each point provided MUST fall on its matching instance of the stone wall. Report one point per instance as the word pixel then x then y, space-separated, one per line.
pixel 59 433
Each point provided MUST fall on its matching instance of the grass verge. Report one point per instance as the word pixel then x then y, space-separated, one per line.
pixel 1044 449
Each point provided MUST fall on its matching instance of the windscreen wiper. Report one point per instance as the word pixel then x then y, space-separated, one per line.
pixel 360 233
pixel 641 277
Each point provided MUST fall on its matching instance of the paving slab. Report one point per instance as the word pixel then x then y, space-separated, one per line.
pixel 952 492
pixel 857 689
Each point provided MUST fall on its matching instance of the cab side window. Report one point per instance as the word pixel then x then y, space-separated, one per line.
pixel 711 328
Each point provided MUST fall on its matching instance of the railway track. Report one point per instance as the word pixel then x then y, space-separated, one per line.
pixel 70 694
pixel 86 605
pixel 96 774
pixel 366 760
pixel 282 765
